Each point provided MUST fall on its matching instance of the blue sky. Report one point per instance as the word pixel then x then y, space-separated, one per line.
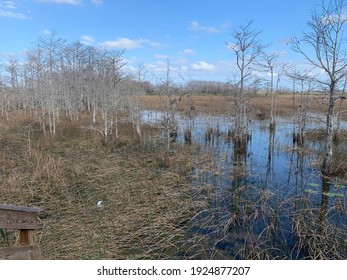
pixel 191 33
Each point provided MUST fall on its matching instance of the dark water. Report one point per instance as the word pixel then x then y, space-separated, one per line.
pixel 258 203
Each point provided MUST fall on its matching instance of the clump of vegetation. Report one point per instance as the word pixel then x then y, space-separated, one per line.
pixel 253 222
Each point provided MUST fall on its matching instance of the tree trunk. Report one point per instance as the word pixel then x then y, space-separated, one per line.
pixel 329 134
pixel 272 108
pixel 338 115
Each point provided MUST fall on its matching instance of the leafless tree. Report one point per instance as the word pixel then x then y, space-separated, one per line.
pixel 170 95
pixel 3 92
pixel 110 94
pixel 132 90
pixel 52 47
pixel 304 81
pixel 269 61
pixel 170 99
pixel 36 82
pixel 324 46
pixel 12 68
pixel 246 47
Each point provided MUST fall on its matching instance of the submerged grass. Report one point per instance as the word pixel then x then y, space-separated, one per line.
pixel 242 219
pixel 256 227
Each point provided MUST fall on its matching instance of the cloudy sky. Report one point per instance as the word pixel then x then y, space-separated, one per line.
pixel 191 33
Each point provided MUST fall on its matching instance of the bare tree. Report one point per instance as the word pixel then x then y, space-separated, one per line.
pixel 269 61
pixel 36 81
pixel 52 48
pixel 169 118
pixel 304 81
pixel 12 69
pixel 280 72
pixel 110 95
pixel 138 90
pixel 132 91
pixel 2 92
pixel 2 66
pixel 325 47
pixel 169 95
pixel 246 48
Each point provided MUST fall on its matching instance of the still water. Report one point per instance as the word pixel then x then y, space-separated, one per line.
pixel 265 202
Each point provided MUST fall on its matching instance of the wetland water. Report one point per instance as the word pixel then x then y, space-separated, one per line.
pixel 267 202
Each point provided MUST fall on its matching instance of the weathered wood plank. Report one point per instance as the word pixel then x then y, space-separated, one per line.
pixel 27 237
pixel 18 220
pixel 24 219
pixel 20 253
pixel 19 208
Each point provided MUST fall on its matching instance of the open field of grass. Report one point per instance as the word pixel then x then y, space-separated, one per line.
pixel 259 106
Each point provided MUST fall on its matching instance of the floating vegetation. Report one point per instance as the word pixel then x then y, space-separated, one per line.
pixel 311 191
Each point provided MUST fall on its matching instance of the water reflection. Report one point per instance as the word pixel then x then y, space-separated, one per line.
pixel 262 198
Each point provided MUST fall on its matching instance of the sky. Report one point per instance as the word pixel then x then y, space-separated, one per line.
pixel 190 34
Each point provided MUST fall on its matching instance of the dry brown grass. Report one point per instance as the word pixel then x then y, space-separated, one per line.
pixel 67 174
pixel 259 106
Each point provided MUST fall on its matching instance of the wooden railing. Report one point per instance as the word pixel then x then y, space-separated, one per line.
pixel 24 219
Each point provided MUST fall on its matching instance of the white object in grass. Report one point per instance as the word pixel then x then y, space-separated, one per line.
pixel 99 203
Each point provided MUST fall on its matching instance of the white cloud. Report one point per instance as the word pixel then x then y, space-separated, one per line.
pixel 187 52
pixel 9 14
pixel 46 32
pixel 195 26
pixel 126 43
pixel 161 56
pixel 184 68
pixel 10 5
pixel 7 10
pixel 97 2
pixel 202 65
pixel 69 2
pixel 87 40
pixel 157 67
pixel 152 44
pixel 6 55
pixel 122 43
pixel 333 19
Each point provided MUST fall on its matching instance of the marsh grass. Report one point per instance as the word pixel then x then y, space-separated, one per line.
pixel 256 230
pixel 244 220
pixel 317 236
pixel 144 206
